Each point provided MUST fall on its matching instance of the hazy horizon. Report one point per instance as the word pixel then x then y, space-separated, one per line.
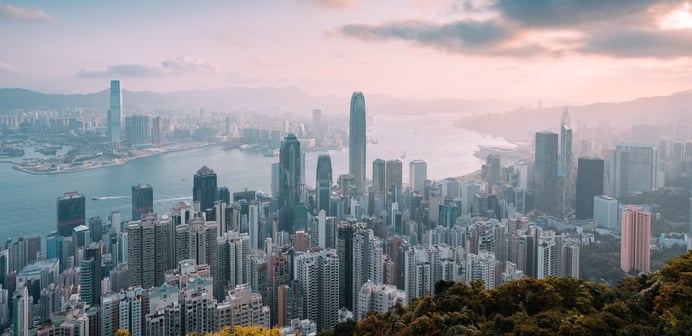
pixel 568 52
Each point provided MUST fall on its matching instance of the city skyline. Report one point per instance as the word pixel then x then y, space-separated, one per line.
pixel 510 50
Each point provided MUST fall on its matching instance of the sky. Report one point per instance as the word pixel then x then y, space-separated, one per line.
pixel 570 51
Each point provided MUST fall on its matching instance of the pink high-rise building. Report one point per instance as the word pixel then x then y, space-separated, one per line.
pixel 635 247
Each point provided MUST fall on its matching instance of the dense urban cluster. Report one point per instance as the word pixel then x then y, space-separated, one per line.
pixel 308 259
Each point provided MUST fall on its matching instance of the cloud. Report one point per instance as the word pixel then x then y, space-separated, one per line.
pixel 4 67
pixel 637 43
pixel 176 66
pixel 468 36
pixel 12 12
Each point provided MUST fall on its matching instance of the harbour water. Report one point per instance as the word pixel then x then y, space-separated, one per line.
pixel 28 202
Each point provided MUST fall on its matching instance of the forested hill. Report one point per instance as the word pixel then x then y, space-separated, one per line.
pixel 653 304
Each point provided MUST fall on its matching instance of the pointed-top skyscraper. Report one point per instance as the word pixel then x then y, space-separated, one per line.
pixel 356 145
pixel 565 170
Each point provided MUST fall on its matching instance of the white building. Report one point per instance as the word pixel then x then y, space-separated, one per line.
pixel 318 275
pixel 481 266
pixel 246 308
pixel 378 298
pixel 605 212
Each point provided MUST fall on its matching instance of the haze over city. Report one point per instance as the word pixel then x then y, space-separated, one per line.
pixel 345 167
pixel 564 52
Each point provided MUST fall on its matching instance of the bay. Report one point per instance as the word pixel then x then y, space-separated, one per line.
pixel 28 202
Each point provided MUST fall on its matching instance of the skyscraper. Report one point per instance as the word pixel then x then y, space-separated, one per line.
pixel 394 174
pixel 418 172
pixel 545 172
pixel 378 176
pixel 564 166
pixel 589 184
pixel 318 276
pixel 635 246
pixel 138 131
pixel 633 169
pixel 324 182
pixel 357 142
pixel 204 189
pixel 71 212
pixel 115 113
pixel 289 181
pixel 142 200
pixel 90 273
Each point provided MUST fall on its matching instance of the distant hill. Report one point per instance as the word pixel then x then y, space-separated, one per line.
pixel 670 111
pixel 263 100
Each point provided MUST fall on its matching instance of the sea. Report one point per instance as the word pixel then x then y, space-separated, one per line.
pixel 28 203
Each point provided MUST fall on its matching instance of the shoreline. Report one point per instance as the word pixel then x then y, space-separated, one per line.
pixel 18 166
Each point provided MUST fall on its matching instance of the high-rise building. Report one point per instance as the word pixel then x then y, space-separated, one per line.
pixel 565 165
pixel 635 244
pixel 418 173
pixel 142 200
pixel 289 181
pixel 147 251
pixel 318 275
pixel 205 188
pixel 605 212
pixel 633 169
pixel 90 276
pixel 156 131
pixel 247 308
pixel 345 252
pixel 378 298
pixel 71 212
pixel 367 259
pixel 589 185
pixel 324 182
pixel 379 183
pixel 115 113
pixel 138 131
pixel 394 174
pixel 357 141
pixel 545 172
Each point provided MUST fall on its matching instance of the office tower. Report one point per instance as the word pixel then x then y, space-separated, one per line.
pixel 156 132
pixel 633 169
pixel 90 276
pixel 115 113
pixel 418 173
pixel 589 185
pixel 451 187
pixel 394 174
pixel 318 275
pixel 379 182
pixel 490 171
pixel 345 252
pixel 635 244
pixel 205 189
pixel 565 165
pixel 289 181
pixel 147 250
pixel 142 200
pixel 523 174
pixel 275 179
pixel 96 228
pixel 138 131
pixel 224 195
pixel 605 212
pixel 357 142
pixel 324 182
pixel 448 212
pixel 71 212
pixel 468 192
pixel 545 172
pixel 22 323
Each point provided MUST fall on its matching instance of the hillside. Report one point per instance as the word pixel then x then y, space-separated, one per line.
pixel 654 304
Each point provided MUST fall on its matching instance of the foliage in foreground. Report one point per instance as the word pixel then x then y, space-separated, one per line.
pixel 246 331
pixel 653 304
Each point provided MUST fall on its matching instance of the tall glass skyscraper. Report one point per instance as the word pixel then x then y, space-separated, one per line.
pixel 565 165
pixel 142 200
pixel 378 176
pixel 71 212
pixel 589 185
pixel 545 172
pixel 289 181
pixel 418 172
pixel 357 142
pixel 205 188
pixel 115 113
pixel 324 182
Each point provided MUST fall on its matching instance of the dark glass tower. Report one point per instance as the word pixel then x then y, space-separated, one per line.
pixel 142 200
pixel 589 184
pixel 324 182
pixel 356 145
pixel 378 176
pixel 204 189
pixel 345 253
pixel 545 172
pixel 71 212
pixel 289 181
pixel 394 174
